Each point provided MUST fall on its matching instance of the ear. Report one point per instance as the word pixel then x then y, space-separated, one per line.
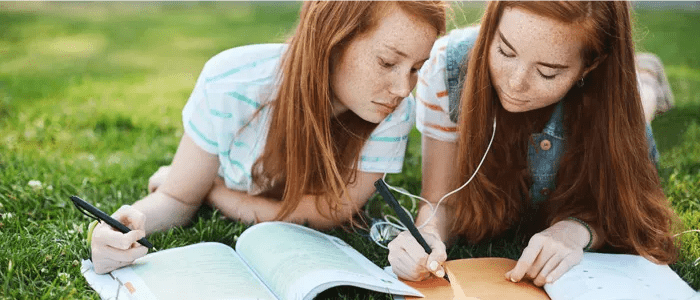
pixel 593 65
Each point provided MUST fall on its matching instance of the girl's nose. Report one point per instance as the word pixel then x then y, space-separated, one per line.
pixel 518 79
pixel 401 85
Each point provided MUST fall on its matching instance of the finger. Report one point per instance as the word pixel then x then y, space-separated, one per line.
pixel 416 252
pixel 435 261
pixel 102 266
pixel 130 217
pixel 546 253
pixel 135 220
pixel 120 256
pixel 400 258
pixel 526 260
pixel 565 265
pixel 439 252
pixel 552 263
pixel 404 267
pixel 105 235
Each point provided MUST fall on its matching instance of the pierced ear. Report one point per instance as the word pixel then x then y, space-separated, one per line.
pixel 593 65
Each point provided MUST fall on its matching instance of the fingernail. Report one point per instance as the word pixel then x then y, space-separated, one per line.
pixel 549 279
pixel 433 265
pixel 513 279
pixel 440 273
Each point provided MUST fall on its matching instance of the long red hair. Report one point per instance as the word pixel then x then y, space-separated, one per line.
pixel 606 176
pixel 309 151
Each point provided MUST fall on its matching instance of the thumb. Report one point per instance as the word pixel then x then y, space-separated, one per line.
pixel 135 235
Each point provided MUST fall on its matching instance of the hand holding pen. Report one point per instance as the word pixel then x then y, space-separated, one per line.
pixel 405 255
pixel 112 249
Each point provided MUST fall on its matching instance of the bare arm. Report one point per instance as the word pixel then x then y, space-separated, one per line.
pixel 239 205
pixel 438 171
pixel 190 177
pixel 173 204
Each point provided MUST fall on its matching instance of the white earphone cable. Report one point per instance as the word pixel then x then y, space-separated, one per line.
pixel 399 225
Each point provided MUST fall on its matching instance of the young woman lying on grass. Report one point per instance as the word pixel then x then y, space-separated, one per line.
pixel 296 132
pixel 572 162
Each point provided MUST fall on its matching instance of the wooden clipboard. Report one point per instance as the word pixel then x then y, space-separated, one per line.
pixel 479 278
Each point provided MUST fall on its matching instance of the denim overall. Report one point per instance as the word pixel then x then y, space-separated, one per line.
pixel 545 152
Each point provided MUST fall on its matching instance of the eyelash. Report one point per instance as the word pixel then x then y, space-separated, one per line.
pixel 390 65
pixel 546 77
pixel 500 50
pixel 385 64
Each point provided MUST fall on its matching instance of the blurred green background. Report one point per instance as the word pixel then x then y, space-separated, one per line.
pixel 90 102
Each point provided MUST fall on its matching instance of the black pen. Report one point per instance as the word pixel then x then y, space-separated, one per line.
pixel 82 205
pixel 403 216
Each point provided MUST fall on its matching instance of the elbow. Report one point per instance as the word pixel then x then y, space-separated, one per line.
pixel 330 220
pixel 326 223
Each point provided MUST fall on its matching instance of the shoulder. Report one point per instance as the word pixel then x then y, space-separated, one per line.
pixel 448 52
pixel 463 35
pixel 241 63
pixel 459 43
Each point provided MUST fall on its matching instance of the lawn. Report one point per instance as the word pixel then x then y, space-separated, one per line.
pixel 90 102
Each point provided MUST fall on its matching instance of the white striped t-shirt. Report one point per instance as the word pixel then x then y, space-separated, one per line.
pixel 238 81
pixel 433 105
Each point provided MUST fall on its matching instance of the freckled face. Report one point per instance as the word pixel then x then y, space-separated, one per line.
pixel 380 68
pixel 533 60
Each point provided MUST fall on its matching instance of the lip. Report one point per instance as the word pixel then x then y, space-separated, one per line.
pixel 513 100
pixel 386 108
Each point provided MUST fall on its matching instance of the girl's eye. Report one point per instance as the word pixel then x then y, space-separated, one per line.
pixel 385 64
pixel 500 50
pixel 547 77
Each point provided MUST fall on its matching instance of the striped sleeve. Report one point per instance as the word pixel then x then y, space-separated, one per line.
pixel 195 116
pixel 432 107
pixel 384 151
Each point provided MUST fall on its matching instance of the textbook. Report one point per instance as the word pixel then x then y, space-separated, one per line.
pixel 598 276
pixel 272 260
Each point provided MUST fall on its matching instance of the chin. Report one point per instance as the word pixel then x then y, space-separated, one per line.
pixel 375 117
pixel 514 108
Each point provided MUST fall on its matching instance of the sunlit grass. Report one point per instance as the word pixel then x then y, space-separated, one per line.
pixel 90 104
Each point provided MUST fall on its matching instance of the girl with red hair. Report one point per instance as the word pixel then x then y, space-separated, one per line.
pixel 553 85
pixel 296 132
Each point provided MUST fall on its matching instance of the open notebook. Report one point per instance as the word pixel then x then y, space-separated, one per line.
pixel 598 276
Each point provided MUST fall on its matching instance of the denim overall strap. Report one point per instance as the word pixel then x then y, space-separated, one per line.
pixel 546 149
pixel 459 42
pixel 544 154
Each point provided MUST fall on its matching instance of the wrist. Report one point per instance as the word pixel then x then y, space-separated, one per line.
pixel 586 233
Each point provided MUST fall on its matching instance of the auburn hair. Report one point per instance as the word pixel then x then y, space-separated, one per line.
pixel 309 151
pixel 606 176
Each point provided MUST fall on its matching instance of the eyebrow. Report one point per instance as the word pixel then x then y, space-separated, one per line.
pixel 399 52
pixel 549 65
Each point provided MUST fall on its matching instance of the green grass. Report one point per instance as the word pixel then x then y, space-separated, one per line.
pixel 90 102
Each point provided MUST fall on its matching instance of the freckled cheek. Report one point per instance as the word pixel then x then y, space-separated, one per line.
pixel 499 71
pixel 549 94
